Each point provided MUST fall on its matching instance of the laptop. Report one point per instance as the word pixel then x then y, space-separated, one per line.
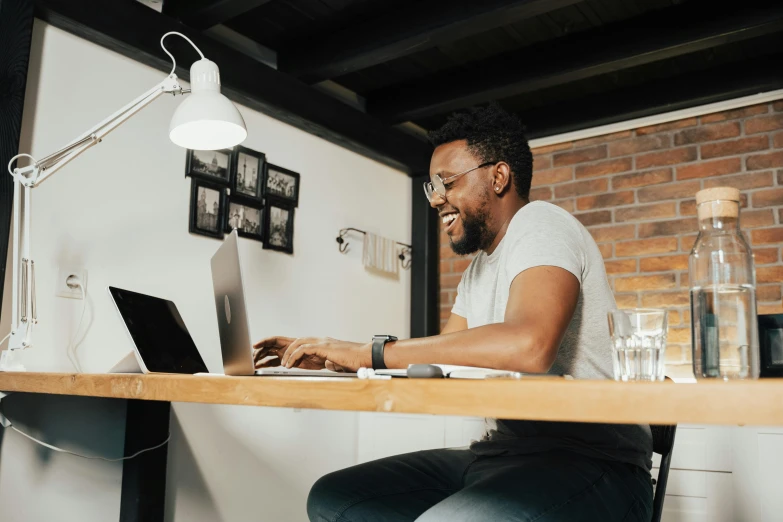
pixel 235 341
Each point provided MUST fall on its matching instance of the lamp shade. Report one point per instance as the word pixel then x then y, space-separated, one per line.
pixel 206 120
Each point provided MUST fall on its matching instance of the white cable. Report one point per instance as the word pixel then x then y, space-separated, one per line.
pixel 93 457
pixel 174 62
pixel 5 338
pixel 73 346
pixel 11 162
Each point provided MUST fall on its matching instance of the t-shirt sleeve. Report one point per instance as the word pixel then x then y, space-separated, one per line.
pixel 460 307
pixel 545 242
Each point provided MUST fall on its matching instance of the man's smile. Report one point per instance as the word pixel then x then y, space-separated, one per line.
pixel 449 220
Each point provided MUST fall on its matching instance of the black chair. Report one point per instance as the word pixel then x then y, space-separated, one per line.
pixel 663 442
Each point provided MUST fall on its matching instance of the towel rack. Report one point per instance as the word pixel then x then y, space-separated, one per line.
pixel 404 256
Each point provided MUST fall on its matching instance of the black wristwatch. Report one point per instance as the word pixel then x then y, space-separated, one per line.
pixel 378 344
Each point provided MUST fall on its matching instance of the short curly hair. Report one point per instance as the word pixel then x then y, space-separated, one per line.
pixel 493 134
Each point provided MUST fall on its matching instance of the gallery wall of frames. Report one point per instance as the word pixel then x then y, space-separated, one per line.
pixel 239 189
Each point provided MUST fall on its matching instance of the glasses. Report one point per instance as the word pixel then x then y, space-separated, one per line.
pixel 638 344
pixel 438 184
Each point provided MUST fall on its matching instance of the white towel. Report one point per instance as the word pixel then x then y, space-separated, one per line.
pixel 380 253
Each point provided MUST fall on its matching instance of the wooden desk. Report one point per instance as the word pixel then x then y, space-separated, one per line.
pixel 149 397
pixel 741 402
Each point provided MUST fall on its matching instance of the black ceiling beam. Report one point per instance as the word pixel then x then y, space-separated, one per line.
pixel 134 30
pixel 695 88
pixel 199 15
pixel 406 30
pixel 675 31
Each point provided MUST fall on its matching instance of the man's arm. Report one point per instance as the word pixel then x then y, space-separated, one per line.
pixel 541 303
pixel 540 306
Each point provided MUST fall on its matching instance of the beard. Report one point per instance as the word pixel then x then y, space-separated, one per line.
pixel 476 235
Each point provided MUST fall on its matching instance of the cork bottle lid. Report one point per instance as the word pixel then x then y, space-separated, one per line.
pixel 717 193
pixel 725 203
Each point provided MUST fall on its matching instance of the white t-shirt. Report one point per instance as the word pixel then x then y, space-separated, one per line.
pixel 542 234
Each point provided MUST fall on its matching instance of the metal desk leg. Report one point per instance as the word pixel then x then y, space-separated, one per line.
pixel 144 478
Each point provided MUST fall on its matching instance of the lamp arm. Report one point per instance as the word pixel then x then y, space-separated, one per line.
pixel 24 314
pixel 57 160
pixel 29 177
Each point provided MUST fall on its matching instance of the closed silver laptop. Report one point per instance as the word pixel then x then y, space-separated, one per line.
pixel 235 341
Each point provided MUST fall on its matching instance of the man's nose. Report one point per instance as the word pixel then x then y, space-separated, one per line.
pixel 436 200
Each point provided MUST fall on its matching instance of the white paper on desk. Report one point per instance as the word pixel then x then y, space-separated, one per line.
pixel 469 372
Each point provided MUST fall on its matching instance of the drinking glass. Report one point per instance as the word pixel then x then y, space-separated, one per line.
pixel 638 344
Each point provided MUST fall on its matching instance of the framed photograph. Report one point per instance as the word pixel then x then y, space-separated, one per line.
pixel 247 219
pixel 279 226
pixel 282 184
pixel 210 165
pixel 248 173
pixel 207 208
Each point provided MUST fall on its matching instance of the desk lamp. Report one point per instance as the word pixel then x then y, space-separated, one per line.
pixel 206 120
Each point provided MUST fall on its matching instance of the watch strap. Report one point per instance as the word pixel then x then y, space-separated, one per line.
pixel 378 345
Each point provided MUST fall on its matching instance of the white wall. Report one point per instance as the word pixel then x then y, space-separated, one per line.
pixel 121 212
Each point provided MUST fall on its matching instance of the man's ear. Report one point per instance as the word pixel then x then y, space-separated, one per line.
pixel 501 178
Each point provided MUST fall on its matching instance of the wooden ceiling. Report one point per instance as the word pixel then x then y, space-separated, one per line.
pixel 561 65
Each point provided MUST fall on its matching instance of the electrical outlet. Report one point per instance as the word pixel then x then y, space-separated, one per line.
pixel 62 289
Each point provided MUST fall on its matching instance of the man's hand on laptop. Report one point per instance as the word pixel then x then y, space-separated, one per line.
pixel 312 353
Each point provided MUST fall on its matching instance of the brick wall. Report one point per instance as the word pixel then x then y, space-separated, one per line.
pixel 634 191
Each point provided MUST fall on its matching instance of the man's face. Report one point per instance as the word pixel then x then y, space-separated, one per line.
pixel 465 211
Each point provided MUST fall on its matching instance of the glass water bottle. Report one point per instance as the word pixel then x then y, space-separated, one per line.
pixel 723 291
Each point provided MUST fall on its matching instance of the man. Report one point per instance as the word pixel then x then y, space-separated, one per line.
pixel 534 299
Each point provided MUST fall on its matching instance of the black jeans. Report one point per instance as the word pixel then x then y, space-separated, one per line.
pixel 454 485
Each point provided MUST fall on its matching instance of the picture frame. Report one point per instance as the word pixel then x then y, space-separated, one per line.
pixel 213 166
pixel 282 184
pixel 279 225
pixel 248 174
pixel 248 219
pixel 207 208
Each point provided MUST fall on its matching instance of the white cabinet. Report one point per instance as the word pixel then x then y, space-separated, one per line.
pixel 700 486
pixel 698 496
pixel 725 473
pixel 758 472
pixel 698 447
pixel 770 459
